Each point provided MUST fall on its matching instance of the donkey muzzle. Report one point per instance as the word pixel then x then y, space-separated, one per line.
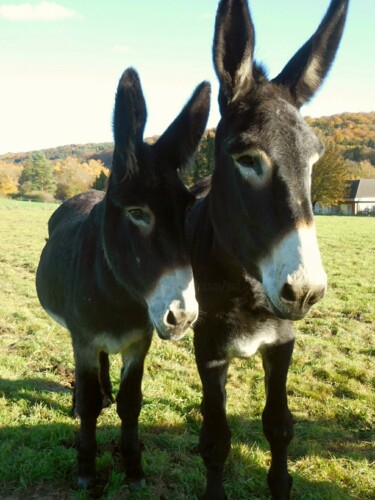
pixel 293 276
pixel 172 305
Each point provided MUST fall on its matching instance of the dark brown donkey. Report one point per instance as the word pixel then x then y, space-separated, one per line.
pixel 116 266
pixel 252 239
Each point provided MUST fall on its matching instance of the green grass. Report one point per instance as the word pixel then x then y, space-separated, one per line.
pixel 330 386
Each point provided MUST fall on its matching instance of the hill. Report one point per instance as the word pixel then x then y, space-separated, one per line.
pixel 83 152
pixel 354 133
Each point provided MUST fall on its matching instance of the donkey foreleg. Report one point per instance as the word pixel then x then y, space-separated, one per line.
pixel 105 385
pixel 276 418
pixel 105 381
pixel 88 406
pixel 129 402
pixel 215 435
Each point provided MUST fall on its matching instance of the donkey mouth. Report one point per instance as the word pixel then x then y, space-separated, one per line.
pixel 170 328
pixel 288 314
pixel 172 334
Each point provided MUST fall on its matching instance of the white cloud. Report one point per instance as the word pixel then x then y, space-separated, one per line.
pixel 43 11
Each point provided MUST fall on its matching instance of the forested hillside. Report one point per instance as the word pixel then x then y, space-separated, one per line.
pixel 61 172
pixel 354 133
pixel 101 151
pixel 83 152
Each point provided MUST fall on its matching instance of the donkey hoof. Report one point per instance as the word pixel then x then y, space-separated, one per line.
pixel 84 483
pixel 217 494
pixel 210 497
pixel 107 401
pixel 137 485
pixel 74 413
pixel 280 487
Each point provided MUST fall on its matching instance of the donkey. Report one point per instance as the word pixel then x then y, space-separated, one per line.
pixel 116 266
pixel 251 238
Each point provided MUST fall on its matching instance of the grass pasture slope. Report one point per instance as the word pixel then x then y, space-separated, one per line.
pixel 330 386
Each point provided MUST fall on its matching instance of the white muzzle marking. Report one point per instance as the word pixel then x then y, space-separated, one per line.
pixel 172 305
pixel 295 261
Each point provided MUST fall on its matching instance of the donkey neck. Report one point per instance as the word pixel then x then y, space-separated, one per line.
pixel 211 261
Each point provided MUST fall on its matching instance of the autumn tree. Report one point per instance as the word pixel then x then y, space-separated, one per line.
pixel 329 177
pixel 203 164
pixel 9 175
pixel 73 176
pixel 36 180
pixel 361 170
pixel 205 159
pixel 100 181
pixel 353 132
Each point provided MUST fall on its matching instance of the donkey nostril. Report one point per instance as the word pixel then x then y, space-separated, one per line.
pixel 171 318
pixel 316 296
pixel 179 318
pixel 288 293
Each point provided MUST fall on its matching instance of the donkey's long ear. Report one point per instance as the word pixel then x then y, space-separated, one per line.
pixel 305 72
pixel 233 49
pixel 129 120
pixel 180 141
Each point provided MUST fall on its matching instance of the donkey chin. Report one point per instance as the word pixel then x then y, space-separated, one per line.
pixel 174 323
pixel 172 306
pixel 295 297
pixel 293 276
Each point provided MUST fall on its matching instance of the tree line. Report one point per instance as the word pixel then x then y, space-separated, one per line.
pixel 41 179
pixel 354 134
pixel 59 173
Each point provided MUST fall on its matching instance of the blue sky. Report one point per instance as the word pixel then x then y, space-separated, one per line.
pixel 60 61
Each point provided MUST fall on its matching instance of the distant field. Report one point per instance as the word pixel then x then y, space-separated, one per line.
pixel 331 387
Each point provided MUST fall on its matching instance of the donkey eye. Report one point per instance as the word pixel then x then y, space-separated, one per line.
pixel 248 161
pixel 137 213
pixel 139 216
pixel 251 162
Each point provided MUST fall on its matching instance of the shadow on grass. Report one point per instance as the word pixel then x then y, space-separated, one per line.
pixel 35 391
pixel 332 437
pixel 325 436
pixel 38 460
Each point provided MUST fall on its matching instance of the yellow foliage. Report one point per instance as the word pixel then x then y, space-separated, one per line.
pixel 347 128
pixel 329 177
pixel 73 176
pixel 9 175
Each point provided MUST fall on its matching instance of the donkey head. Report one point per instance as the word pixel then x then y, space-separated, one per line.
pixel 145 206
pixel 260 196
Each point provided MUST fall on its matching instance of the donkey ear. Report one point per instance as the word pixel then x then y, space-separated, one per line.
pixel 233 48
pixel 129 120
pixel 306 71
pixel 180 141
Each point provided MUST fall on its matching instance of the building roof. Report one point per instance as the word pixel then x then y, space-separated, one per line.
pixel 362 188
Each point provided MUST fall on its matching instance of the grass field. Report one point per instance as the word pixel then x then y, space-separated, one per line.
pixel 331 385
